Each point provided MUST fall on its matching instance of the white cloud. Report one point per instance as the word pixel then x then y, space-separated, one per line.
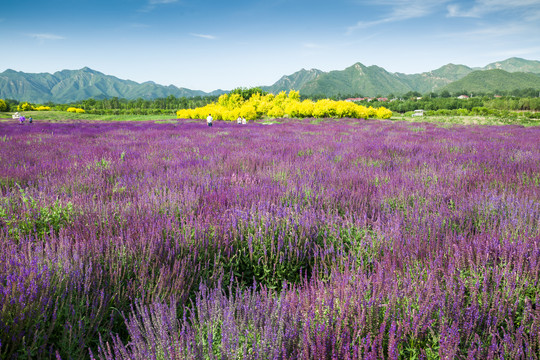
pixel 532 16
pixel 517 52
pixel 44 36
pixel 204 36
pixel 152 4
pixel 401 10
pixel 489 33
pixel 481 8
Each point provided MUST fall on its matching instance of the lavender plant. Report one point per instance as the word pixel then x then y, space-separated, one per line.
pixel 347 239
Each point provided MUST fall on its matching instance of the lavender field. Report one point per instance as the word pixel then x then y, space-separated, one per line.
pixel 347 239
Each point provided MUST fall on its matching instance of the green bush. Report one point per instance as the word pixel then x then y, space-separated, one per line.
pixel 3 105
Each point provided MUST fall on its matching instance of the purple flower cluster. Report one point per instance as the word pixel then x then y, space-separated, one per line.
pixel 347 239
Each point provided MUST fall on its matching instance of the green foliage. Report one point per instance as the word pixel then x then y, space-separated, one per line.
pixel 247 93
pixel 490 80
pixel 481 106
pixel 33 219
pixel 3 105
pixel 263 262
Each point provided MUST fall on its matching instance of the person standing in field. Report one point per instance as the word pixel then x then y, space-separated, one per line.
pixel 209 120
pixel 21 120
pixel 30 120
pixel 244 122
pixel 239 120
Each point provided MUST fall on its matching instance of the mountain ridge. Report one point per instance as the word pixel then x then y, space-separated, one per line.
pixel 482 81
pixel 67 86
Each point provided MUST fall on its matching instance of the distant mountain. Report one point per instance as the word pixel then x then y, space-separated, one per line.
pixel 436 79
pixel 374 80
pixel 295 81
pixel 356 79
pixel 516 65
pixel 482 81
pixel 73 85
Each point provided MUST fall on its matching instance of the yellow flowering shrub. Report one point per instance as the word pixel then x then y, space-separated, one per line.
pixel 248 111
pixel 292 108
pixel 75 110
pixel 324 108
pixel 362 112
pixel 25 107
pixel 276 112
pixel 230 106
pixel 294 95
pixel 264 105
pixel 43 108
pixel 184 114
pixel 305 108
pixel 384 113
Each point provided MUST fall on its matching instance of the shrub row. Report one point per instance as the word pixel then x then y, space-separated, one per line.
pixel 231 106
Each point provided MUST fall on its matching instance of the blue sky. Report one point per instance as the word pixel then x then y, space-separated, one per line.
pixel 207 45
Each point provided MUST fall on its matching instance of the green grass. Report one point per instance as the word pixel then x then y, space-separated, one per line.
pixel 60 116
pixel 467 120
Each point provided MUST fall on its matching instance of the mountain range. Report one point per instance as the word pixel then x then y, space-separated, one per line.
pixel 507 75
pixel 73 85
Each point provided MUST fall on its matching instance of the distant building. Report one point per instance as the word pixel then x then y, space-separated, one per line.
pixel 462 97
pixel 418 113
pixel 497 96
pixel 382 99
pixel 355 99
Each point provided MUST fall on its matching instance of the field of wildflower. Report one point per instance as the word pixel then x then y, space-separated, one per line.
pixel 349 239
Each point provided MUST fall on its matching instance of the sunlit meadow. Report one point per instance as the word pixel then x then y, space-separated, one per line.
pixel 349 239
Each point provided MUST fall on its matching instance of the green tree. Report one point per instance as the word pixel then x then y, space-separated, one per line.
pixel 445 94
pixel 3 105
pixel 412 94
pixel 246 93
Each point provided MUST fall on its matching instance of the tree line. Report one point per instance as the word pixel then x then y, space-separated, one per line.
pixel 528 100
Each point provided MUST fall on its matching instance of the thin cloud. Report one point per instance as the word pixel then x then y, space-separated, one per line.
pixel 517 52
pixel 204 36
pixel 152 4
pixel 44 36
pixel 489 33
pixel 480 8
pixel 401 10
pixel 497 31
pixel 533 15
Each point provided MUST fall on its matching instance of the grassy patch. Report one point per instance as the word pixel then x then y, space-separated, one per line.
pixel 61 116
